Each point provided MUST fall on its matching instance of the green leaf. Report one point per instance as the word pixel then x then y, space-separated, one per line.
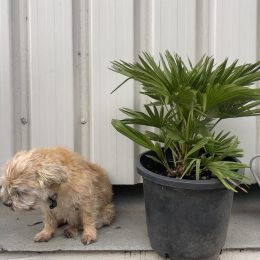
pixel 120 85
pixel 133 134
pixel 141 118
pixel 223 145
pixel 186 103
pixel 154 136
pixel 200 144
pixel 154 158
pixel 174 133
pixel 225 171
pixel 188 167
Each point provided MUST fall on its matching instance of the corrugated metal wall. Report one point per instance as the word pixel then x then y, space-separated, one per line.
pixel 54 79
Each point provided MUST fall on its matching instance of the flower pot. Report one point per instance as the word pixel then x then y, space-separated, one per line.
pixel 186 219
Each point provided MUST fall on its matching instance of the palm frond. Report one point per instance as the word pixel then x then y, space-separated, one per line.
pixel 223 145
pixel 225 172
pixel 187 102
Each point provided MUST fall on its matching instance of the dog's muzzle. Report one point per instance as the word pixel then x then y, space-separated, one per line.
pixel 53 201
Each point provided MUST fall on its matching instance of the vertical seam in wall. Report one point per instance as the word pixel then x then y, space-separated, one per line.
pixel 54 10
pixel 20 74
pixel 11 74
pixel 90 53
pixel 87 109
pixel 76 78
pixel 152 26
pixel 116 94
pixel 212 26
pixel 28 74
pixel 81 74
pixel 140 40
pixel 257 149
pixel 12 112
pixel 29 10
pixel 198 29
pixel 257 29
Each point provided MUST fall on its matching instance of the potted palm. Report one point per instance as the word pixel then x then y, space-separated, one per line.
pixel 190 171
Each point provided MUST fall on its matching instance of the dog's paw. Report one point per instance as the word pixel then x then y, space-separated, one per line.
pixel 88 239
pixel 89 236
pixel 70 232
pixel 42 237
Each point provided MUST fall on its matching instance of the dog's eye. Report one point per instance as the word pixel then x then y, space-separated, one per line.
pixel 16 192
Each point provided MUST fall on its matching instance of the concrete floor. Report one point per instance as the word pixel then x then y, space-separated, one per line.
pixel 127 233
pixel 244 226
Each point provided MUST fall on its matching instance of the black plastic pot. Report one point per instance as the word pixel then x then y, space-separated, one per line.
pixel 186 219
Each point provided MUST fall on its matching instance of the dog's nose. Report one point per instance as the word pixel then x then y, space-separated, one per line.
pixel 7 203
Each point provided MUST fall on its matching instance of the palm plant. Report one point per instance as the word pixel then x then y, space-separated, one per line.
pixel 186 103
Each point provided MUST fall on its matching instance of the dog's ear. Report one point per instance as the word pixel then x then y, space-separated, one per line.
pixel 52 174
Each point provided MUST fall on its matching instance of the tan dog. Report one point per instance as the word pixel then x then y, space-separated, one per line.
pixel 67 189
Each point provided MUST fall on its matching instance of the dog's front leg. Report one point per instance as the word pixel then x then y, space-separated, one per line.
pixel 89 234
pixel 50 225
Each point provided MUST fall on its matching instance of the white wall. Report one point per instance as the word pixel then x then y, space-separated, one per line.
pixel 54 79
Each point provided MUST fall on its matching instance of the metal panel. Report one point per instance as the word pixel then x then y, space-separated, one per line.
pixel 174 23
pixel 81 41
pixel 54 79
pixel 51 81
pixel 6 100
pixel 111 30
pixel 235 30
pixel 21 70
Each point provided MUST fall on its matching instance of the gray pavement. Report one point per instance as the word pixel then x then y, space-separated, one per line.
pixel 128 232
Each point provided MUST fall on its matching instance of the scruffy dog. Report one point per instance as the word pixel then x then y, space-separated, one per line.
pixel 67 188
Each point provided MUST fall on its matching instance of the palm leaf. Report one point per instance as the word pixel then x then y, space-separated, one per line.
pixel 187 102
pixel 133 134
pixel 200 144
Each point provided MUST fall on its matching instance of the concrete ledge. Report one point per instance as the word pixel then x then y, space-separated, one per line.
pixel 136 255
pixel 244 226
pixel 128 232
pixel 133 255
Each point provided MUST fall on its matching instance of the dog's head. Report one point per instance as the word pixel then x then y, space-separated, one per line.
pixel 28 179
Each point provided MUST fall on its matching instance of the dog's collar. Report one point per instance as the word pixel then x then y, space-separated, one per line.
pixel 53 201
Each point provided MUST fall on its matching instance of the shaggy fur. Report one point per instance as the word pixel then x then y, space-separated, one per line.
pixel 83 191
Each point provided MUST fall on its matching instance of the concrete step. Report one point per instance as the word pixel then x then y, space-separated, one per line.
pixel 127 237
pixel 133 255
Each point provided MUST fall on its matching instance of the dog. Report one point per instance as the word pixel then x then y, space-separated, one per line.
pixel 64 186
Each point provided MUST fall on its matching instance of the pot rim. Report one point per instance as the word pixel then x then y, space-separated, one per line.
pixel 178 183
